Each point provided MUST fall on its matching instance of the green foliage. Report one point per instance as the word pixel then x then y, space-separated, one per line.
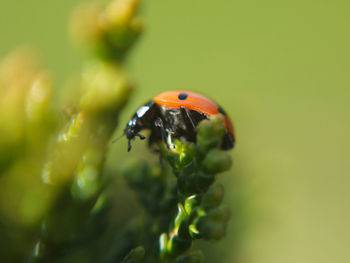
pixel 57 203
pixel 108 32
pixel 199 214
pixel 185 208
pixel 51 167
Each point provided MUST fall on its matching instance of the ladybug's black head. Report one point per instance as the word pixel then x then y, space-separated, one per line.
pixel 132 129
pixel 142 119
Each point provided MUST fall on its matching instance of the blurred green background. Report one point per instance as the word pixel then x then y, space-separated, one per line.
pixel 281 70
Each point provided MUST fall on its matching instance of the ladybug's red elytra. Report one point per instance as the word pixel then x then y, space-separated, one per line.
pixel 175 114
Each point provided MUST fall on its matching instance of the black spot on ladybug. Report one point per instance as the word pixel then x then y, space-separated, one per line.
pixel 221 110
pixel 183 96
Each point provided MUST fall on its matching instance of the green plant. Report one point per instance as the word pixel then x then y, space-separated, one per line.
pixel 56 201
pixel 185 208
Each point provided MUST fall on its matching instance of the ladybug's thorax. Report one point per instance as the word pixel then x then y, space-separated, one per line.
pixel 172 117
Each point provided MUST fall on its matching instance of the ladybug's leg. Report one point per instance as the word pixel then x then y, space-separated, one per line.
pixel 156 134
pixel 129 145
pixel 170 141
pixel 166 133
pixel 186 114
pixel 159 123
pixel 138 135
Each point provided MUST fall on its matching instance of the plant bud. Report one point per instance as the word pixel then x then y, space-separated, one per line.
pixel 106 88
pixel 120 12
pixel 85 24
pixel 210 133
pixel 220 214
pixel 190 203
pixel 213 197
pixel 86 183
pixel 211 229
pixel 39 98
pixel 180 216
pixel 217 161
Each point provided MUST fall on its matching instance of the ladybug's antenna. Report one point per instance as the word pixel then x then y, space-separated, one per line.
pixel 118 138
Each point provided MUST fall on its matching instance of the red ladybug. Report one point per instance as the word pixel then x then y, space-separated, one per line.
pixel 175 114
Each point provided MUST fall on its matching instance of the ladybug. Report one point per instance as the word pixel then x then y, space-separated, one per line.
pixel 176 114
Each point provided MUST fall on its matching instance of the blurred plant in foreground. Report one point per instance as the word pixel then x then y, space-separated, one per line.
pixel 55 199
